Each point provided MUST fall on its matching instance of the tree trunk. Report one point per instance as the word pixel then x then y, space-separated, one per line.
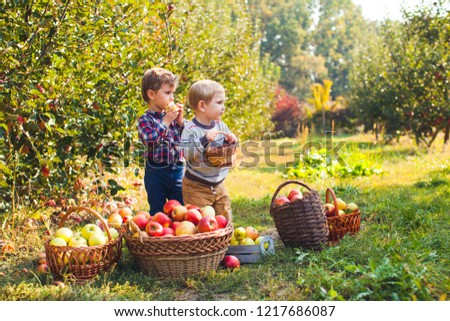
pixel 447 135
pixel 323 121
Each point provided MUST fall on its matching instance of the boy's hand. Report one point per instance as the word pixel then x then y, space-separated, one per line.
pixel 211 134
pixel 170 116
pixel 180 117
pixel 231 138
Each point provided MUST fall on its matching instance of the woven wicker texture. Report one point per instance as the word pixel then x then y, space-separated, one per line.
pixel 222 156
pixel 83 263
pixel 180 256
pixel 301 222
pixel 340 225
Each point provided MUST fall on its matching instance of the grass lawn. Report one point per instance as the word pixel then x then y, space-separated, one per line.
pixel 401 252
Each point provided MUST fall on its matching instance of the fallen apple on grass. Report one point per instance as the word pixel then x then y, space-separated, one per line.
pixel 231 262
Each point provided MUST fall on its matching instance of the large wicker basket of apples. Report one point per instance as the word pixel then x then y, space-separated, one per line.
pixel 180 242
pixel 342 218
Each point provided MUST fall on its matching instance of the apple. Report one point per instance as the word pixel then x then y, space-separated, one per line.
pixel 57 241
pixel 341 212
pixel 351 207
pixel 113 232
pixel 141 221
pixel 296 193
pixel 171 107
pixel 259 240
pixel 329 209
pixel 233 241
pixel 154 229
pixel 124 211
pixel 64 233
pixel 239 233
pixel 207 210
pixel 147 214
pixel 89 229
pixel 231 262
pixel 192 207
pixel 169 206
pixel 247 241
pixel 185 228
pixel 168 231
pixel 280 200
pixel 207 224
pixel 162 219
pixel 127 218
pixel 97 239
pixel 251 232
pixel 341 204
pixel 179 212
pixel 175 225
pixel 222 221
pixel 77 240
pixel 115 220
pixel 193 216
pixel 42 268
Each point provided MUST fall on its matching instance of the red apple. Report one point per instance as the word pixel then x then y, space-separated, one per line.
pixel 147 214
pixel 191 206
pixel 221 220
pixel 162 219
pixel 281 200
pixel 168 231
pixel 178 213
pixel 126 218
pixel 141 221
pixel 154 229
pixel 169 206
pixel 329 209
pixel 175 225
pixel 207 224
pixel 185 228
pixel 231 262
pixel 296 193
pixel 193 216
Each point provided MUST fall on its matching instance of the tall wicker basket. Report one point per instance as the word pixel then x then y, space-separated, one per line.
pixel 339 225
pixel 181 256
pixel 82 264
pixel 301 222
pixel 222 156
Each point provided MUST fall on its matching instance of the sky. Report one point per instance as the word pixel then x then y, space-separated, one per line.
pixel 381 9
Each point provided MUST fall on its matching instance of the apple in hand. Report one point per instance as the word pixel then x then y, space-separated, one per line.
pixel 207 224
pixel 207 210
pixel 231 262
pixel 169 206
pixel 221 220
pixel 90 229
pixel 329 209
pixel 185 228
pixel 64 233
pixel 162 219
pixel 193 216
pixel 280 200
pixel 179 212
pixel 154 229
pixel 97 239
pixel 295 195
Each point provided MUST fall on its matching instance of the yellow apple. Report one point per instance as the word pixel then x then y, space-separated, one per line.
pixel 239 233
pixel 341 204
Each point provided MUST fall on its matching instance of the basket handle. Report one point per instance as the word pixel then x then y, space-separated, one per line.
pixel 89 210
pixel 329 192
pixel 283 185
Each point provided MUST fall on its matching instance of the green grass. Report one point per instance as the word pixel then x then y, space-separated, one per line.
pixel 401 252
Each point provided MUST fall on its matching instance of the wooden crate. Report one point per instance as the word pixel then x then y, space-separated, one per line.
pixel 252 253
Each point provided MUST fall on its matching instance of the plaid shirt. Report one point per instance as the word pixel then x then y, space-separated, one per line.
pixel 162 143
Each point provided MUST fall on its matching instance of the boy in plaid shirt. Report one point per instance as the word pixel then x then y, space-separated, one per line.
pixel 160 131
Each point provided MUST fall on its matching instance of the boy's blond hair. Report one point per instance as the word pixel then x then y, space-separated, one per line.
pixel 154 78
pixel 203 90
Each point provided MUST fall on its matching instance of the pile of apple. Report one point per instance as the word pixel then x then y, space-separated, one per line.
pixel 342 208
pixel 177 219
pixel 292 196
pixel 88 235
pixel 245 236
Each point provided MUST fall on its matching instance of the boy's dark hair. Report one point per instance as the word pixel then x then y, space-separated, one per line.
pixel 154 78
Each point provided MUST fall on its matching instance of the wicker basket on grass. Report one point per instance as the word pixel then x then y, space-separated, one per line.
pixel 339 225
pixel 222 156
pixel 180 256
pixel 83 263
pixel 300 222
